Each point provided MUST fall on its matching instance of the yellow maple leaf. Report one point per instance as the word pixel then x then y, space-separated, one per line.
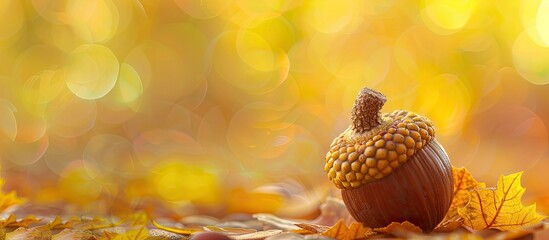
pixel 341 231
pixel 499 208
pixel 463 182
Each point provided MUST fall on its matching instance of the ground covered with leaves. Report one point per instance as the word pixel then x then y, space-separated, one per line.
pixel 477 212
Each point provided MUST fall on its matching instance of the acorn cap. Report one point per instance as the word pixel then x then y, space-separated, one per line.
pixel 375 144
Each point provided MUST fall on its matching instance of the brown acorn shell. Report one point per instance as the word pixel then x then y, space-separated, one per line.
pixel 420 191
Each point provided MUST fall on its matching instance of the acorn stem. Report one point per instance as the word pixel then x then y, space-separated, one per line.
pixel 365 113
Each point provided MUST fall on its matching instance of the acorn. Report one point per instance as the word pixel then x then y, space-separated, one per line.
pixel 390 167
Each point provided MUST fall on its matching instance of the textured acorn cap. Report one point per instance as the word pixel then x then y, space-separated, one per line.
pixel 375 145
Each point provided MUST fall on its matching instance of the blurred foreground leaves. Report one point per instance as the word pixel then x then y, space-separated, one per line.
pixel 480 211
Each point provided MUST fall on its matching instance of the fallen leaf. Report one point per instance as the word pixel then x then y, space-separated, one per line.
pixel 164 234
pixel 108 232
pixel 499 208
pixel 108 235
pixel 257 235
pixel 520 234
pixel 354 231
pixel 58 223
pixel 96 223
pixel 28 233
pixel 134 234
pixel 12 221
pixel 185 231
pixel 449 225
pixel 457 235
pixel 286 236
pixel 280 223
pixel 463 183
pixel 313 228
pixel 301 231
pixel 398 228
pixel 228 230
pixel 338 230
pixel 358 231
pixel 70 234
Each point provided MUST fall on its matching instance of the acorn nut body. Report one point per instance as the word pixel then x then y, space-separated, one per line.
pixel 390 167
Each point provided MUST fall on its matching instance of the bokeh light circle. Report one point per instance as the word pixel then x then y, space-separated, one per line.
pixel 94 21
pixel 30 128
pixel 533 69
pixel 326 17
pixel 92 71
pixel 8 123
pixel 447 17
pixel 129 83
pixel 203 9
pixel 446 100
pixel 241 56
pixel 26 154
pixel 542 21
pixel 13 17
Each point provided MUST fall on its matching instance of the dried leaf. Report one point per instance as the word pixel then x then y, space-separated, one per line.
pixel 12 221
pixel 457 235
pixel 338 230
pixel 135 234
pixel 399 228
pixel 58 223
pixel 186 231
pixel 341 231
pixel 96 223
pixel 313 228
pixel 159 233
pixel 107 235
pixel 69 234
pixel 301 231
pixel 280 223
pixel 463 182
pixel 449 225
pixel 499 208
pixel 228 230
pixel 257 235
pixel 286 236
pixel 28 233
pixel 358 231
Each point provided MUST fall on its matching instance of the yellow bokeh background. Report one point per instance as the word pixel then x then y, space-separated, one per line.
pixel 231 105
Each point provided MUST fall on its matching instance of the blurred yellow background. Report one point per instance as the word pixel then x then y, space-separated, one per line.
pixel 232 105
